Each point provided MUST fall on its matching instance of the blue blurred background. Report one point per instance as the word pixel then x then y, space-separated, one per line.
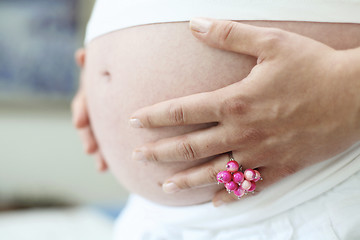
pixel 48 187
pixel 37 42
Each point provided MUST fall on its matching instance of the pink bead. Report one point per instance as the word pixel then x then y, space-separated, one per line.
pixel 231 186
pixel 224 177
pixel 257 176
pixel 246 185
pixel 239 192
pixel 232 166
pixel 252 188
pixel 238 177
pixel 249 174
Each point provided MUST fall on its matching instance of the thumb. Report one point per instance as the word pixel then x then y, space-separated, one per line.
pixel 236 37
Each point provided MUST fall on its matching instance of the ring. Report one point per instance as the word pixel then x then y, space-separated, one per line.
pixel 236 180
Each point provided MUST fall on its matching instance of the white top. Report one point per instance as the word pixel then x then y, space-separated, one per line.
pixel 112 15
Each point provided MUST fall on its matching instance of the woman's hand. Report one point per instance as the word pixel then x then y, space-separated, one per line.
pixel 81 118
pixel 299 105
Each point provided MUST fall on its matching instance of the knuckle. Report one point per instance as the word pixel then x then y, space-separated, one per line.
pixel 146 116
pixel 211 174
pixel 229 140
pixel 226 33
pixel 249 135
pixel 176 114
pixel 186 183
pixel 234 106
pixel 150 154
pixel 153 157
pixel 273 38
pixel 186 150
pixel 148 120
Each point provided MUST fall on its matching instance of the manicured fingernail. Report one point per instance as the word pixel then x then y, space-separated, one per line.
pixel 218 203
pixel 136 123
pixel 170 187
pixel 138 155
pixel 201 25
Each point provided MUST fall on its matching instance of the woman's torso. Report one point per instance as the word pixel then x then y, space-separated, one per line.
pixel 135 67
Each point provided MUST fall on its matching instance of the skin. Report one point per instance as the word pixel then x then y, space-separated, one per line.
pixel 298 106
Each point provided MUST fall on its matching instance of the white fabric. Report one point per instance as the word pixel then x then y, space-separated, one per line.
pixel 319 202
pixel 111 15
pixel 80 223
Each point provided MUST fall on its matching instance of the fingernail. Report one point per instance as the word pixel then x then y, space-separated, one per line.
pixel 136 123
pixel 218 203
pixel 201 25
pixel 170 187
pixel 138 156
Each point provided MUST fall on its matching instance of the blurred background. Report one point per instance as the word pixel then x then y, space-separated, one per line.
pixel 49 189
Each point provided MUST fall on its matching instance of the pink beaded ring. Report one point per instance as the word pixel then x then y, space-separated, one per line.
pixel 236 180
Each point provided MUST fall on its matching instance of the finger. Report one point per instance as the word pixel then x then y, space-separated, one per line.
pixel 201 144
pixel 88 140
pixel 236 37
pixel 269 176
pixel 194 109
pixel 222 197
pixel 225 197
pixel 199 176
pixel 273 174
pixel 80 117
pixel 101 165
pixel 251 157
pixel 80 57
pixel 189 147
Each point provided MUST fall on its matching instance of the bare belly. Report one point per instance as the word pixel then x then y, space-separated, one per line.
pixel 135 67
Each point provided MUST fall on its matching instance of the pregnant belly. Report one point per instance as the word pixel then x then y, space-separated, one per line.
pixel 135 67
